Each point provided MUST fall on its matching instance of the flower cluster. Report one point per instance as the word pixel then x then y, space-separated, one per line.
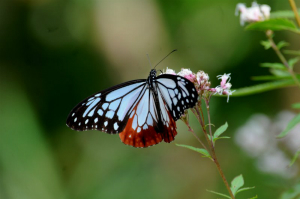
pixel 202 83
pixel 252 14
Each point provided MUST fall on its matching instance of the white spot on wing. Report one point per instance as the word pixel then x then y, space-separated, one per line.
pixel 96 120
pixel 86 121
pixel 97 95
pixel 116 126
pixel 73 114
pixel 75 119
pixel 139 129
pixel 105 123
pixel 100 112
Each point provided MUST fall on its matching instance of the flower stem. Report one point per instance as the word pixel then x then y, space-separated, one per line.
pixel 294 8
pixel 269 34
pixel 214 156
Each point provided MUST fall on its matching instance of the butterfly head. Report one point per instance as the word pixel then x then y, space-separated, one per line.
pixel 152 73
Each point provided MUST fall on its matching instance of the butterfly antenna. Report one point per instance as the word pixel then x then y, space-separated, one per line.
pixel 165 57
pixel 149 60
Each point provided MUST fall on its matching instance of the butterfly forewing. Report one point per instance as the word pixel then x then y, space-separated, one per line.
pixel 107 110
pixel 178 93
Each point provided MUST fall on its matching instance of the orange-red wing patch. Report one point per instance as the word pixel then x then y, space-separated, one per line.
pixel 143 138
pixel 148 134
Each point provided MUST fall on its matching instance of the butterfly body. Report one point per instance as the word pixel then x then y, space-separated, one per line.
pixel 143 112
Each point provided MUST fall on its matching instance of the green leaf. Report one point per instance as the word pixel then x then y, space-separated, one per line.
pixel 269 77
pixel 273 65
pixel 290 126
pixel 282 44
pixel 266 44
pixel 273 24
pixel 279 73
pixel 254 197
pixel 295 157
pixel 223 137
pixel 220 130
pixel 283 14
pixel 244 189
pixel 237 183
pixel 292 52
pixel 293 61
pixel 296 105
pixel 202 151
pixel 292 193
pixel 220 194
pixel 262 87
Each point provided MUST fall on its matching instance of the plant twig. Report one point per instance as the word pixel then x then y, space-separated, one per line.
pixel 294 8
pixel 212 149
pixel 269 34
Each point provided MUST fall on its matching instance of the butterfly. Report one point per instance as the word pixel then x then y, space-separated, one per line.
pixel 143 112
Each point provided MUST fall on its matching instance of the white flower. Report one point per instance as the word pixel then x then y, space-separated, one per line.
pixel 169 71
pixel 185 72
pixel 224 87
pixel 252 14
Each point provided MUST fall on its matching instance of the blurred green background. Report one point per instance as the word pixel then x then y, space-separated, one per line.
pixel 55 53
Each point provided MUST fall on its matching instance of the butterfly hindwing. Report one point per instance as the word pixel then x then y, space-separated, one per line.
pixel 107 110
pixel 144 128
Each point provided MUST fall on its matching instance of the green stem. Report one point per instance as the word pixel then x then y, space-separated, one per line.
pixel 294 8
pixel 212 149
pixel 269 34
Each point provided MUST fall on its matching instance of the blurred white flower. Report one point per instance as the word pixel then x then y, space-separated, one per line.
pixel 258 139
pixel 252 14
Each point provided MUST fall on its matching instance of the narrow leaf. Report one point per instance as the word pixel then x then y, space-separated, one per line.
pixel 283 14
pixel 269 77
pixel 279 73
pixel 262 87
pixel 273 65
pixel 237 183
pixel 202 151
pixel 244 189
pixel 296 105
pixel 293 61
pixel 282 44
pixel 220 130
pixel 220 194
pixel 290 126
pixel 266 44
pixel 292 52
pixel 273 24
pixel 295 157
pixel 223 137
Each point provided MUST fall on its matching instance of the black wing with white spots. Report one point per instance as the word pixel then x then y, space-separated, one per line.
pixel 178 92
pixel 107 110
